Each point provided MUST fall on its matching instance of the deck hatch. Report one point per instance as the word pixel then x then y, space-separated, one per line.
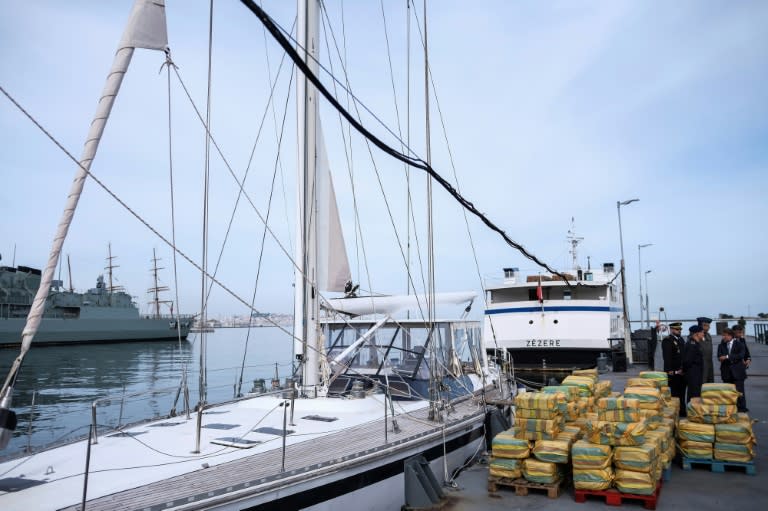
pixel 272 431
pixel 165 424
pixel 217 425
pixel 231 441
pixel 320 418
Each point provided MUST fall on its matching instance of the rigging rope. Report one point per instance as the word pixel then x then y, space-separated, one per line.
pixel 413 161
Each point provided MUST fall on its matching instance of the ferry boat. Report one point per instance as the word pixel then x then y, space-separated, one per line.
pixel 546 321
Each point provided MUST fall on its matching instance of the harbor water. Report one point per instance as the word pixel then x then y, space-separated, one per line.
pixel 133 381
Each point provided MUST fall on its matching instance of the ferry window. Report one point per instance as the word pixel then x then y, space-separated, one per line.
pixel 567 294
pixel 532 295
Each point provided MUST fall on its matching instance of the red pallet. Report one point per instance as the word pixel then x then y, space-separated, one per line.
pixel 614 497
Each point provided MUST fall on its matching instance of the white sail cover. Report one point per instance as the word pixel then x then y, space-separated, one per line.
pixel 332 264
pixel 146 26
pixel 389 305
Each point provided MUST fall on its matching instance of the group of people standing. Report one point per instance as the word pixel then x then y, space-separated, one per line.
pixel 689 363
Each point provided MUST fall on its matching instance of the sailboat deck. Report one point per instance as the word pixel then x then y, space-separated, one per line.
pixel 261 472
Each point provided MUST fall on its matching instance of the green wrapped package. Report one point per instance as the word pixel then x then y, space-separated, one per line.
pixel 586 455
pixel 553 451
pixel 585 384
pixel 505 467
pixel 661 376
pixel 617 403
pixel 592 478
pixel 640 458
pixel 736 433
pixel 643 382
pixel 540 400
pixel 507 445
pixel 602 388
pixel 537 429
pixel 649 397
pixel 637 483
pixel 616 433
pixel 696 431
pixel 734 452
pixel 661 437
pixel 532 413
pixel 571 393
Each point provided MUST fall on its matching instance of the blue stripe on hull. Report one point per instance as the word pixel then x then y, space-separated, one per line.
pixel 555 308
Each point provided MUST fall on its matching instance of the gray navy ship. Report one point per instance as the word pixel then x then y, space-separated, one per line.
pixel 100 315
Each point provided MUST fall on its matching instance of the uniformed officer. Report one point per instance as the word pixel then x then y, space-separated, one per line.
pixel 706 349
pixel 672 352
pixel 693 362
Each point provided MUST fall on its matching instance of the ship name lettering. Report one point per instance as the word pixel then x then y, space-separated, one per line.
pixel 542 343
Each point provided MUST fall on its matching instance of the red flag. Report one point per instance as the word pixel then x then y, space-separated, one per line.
pixel 540 292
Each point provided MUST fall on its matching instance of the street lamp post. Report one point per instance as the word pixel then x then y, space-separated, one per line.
pixel 627 332
pixel 647 310
pixel 640 277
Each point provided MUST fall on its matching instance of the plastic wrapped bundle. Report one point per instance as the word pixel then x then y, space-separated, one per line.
pixel 574 427
pixel 696 450
pixel 743 417
pixel 670 412
pixel 642 382
pixel 542 472
pixel 537 429
pixel 698 411
pixel 666 393
pixel 734 452
pixel 553 451
pixel 589 373
pixel 570 392
pixel 505 467
pixel 586 403
pixel 585 384
pixel 590 416
pixel 592 478
pixel 660 376
pixel 616 433
pixel 659 437
pixel 638 483
pixel 619 415
pixel 736 433
pixel 567 436
pixel 617 403
pixel 602 388
pixel 652 417
pixel 506 445
pixel 719 393
pixel 572 411
pixel 649 397
pixel 639 458
pixel 585 455
pixel 533 413
pixel 540 401
pixel 696 431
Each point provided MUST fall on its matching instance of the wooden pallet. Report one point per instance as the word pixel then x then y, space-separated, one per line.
pixel 522 486
pixel 614 497
pixel 718 465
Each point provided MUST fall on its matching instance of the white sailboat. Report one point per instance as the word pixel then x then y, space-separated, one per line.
pixel 375 400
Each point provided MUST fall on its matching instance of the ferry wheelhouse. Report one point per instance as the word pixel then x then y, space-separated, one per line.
pixel 545 321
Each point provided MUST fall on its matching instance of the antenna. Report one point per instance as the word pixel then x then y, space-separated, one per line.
pixel 574 241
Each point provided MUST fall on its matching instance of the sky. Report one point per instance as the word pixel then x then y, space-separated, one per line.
pixel 552 111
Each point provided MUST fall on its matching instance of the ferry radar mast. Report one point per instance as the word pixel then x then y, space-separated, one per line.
pixel 574 241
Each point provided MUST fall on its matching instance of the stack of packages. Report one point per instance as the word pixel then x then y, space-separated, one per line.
pixel 507 455
pixel 539 417
pixel 714 429
pixel 661 416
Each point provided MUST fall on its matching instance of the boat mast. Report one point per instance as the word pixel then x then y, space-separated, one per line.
pixel 574 241
pixel 157 288
pixel 146 28
pixel 306 305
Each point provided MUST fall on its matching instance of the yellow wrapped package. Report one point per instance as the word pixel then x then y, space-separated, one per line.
pixel 670 412
pixel 696 431
pixel 619 415
pixel 586 403
pixel 553 451
pixel 589 373
pixel 540 400
pixel 602 388
pixel 698 411
pixel 571 393
pixel 592 478
pixel 666 393
pixel 660 376
pixel 743 417
pixel 639 458
pixel 533 413
pixel 585 384
pixel 642 382
pixel 506 445
pixel 661 438
pixel 736 433
pixel 542 472
pixel 586 455
pixel 696 450
pixel 590 416
pixel 616 433
pixel 505 467
pixel 537 429
pixel 648 397
pixel 719 393
pixel 638 483
pixel 567 436
pixel 652 417
pixel 617 403
pixel 734 452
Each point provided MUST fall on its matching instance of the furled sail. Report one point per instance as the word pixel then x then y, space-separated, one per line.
pixel 332 263
pixel 389 305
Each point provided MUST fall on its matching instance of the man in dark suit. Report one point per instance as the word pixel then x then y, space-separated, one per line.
pixel 693 362
pixel 652 345
pixel 722 356
pixel 739 359
pixel 672 352
pixel 706 349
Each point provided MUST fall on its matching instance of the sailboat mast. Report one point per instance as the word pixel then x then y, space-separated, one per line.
pixel 306 306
